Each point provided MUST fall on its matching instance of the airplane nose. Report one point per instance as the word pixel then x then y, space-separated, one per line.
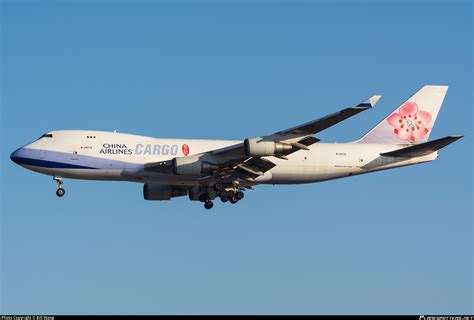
pixel 15 155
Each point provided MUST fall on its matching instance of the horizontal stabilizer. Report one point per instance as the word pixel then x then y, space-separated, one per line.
pixel 422 149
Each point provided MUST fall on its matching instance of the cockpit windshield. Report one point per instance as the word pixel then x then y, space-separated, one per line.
pixel 46 135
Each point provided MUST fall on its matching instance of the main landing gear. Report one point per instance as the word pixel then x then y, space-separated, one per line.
pixel 228 193
pixel 231 195
pixel 60 191
pixel 208 204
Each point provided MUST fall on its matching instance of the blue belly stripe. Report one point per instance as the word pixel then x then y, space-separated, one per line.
pixel 48 164
pixel 62 160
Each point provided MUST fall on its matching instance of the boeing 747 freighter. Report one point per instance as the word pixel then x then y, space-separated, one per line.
pixel 207 169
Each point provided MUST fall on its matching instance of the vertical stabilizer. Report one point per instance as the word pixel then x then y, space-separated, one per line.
pixel 411 122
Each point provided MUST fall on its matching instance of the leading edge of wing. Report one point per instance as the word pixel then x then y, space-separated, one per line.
pixel 323 123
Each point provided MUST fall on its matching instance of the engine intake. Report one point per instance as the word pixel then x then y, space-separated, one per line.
pixel 153 191
pixel 192 166
pixel 257 147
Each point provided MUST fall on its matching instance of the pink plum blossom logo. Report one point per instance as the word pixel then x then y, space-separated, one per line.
pixel 410 123
pixel 185 149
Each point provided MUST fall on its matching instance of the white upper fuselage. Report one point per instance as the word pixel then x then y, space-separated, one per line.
pixel 98 155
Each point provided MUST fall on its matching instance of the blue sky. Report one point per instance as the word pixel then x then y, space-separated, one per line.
pixel 398 241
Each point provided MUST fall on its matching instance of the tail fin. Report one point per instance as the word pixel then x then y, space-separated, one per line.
pixel 412 122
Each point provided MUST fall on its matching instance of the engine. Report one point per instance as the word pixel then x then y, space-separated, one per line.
pixel 258 147
pixel 192 166
pixel 153 191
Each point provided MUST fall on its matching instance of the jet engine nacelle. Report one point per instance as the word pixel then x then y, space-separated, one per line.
pixel 192 166
pixel 257 147
pixel 153 191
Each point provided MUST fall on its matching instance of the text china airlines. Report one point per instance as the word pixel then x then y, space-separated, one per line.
pixel 143 149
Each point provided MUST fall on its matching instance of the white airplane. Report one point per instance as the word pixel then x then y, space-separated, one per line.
pixel 206 169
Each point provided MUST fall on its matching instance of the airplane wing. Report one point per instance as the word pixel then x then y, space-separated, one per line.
pixel 318 125
pixel 248 160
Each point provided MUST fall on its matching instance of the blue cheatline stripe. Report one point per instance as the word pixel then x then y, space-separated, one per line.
pixel 47 164
pixel 56 159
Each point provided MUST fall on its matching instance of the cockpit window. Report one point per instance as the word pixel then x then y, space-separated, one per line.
pixel 46 135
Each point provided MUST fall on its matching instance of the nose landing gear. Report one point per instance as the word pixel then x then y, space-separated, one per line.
pixel 60 191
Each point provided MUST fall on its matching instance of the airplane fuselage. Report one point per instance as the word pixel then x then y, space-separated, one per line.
pixel 208 169
pixel 98 155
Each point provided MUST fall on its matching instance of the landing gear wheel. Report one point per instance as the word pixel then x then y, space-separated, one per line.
pixel 230 193
pixel 204 197
pixel 224 199
pixel 239 195
pixel 224 193
pixel 233 200
pixel 59 181
pixel 60 192
pixel 208 204
pixel 218 186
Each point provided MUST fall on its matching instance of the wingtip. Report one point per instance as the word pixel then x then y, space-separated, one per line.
pixel 374 99
pixel 371 102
